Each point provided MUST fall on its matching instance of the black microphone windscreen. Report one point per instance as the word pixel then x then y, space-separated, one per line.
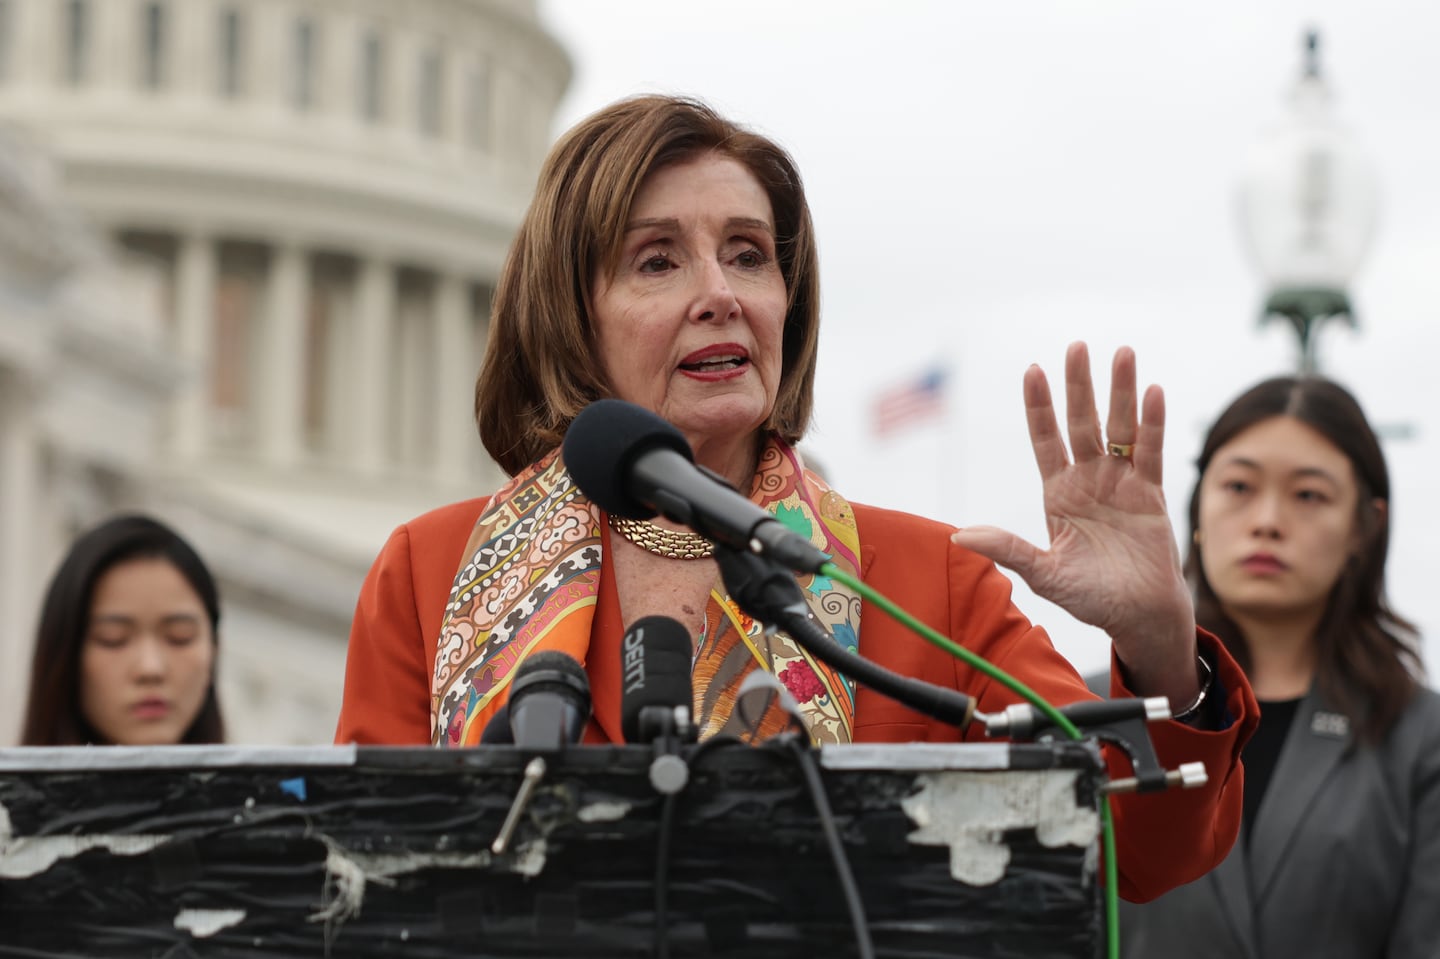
pixel 602 443
pixel 656 658
pixel 549 701
pixel 497 731
pixel 551 671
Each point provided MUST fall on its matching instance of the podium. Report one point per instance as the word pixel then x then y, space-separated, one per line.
pixel 984 850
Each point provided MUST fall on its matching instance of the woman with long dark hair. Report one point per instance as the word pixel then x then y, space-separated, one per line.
pixel 125 652
pixel 1340 839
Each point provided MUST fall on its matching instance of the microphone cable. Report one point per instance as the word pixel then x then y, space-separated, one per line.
pixel 1059 719
pixel 796 741
pixel 664 841
pixel 854 906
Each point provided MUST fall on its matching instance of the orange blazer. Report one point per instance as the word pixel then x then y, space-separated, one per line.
pixel 1163 840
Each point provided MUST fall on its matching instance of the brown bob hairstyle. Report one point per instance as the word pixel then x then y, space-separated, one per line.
pixel 1367 656
pixel 540 367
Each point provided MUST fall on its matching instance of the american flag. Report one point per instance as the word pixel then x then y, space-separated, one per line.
pixel 922 398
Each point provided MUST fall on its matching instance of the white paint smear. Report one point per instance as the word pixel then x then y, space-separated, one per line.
pixel 970 813
pixel 201 923
pixel 22 856
pixel 603 812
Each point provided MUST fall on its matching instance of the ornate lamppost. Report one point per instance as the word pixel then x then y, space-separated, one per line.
pixel 1308 203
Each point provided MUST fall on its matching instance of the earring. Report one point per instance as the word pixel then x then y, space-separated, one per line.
pixel 1196 538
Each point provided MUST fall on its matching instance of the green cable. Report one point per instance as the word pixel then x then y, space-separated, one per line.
pixel 1061 721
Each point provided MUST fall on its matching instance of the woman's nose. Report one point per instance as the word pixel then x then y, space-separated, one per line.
pixel 150 660
pixel 1266 520
pixel 714 297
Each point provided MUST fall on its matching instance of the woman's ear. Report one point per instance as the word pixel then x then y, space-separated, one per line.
pixel 1382 510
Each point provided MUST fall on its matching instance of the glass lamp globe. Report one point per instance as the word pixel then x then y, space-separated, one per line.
pixel 1308 205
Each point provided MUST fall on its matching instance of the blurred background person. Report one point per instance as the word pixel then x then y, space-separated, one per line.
pixel 1340 843
pixel 126 649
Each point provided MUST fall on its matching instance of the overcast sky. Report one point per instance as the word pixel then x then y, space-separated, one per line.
pixel 991 181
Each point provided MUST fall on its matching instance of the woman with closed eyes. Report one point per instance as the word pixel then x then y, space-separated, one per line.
pixel 126 648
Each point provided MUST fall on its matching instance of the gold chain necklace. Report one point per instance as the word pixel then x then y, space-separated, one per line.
pixel 672 544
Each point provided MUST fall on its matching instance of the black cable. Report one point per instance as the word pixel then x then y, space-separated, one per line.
pixel 662 876
pixel 805 759
pixel 769 592
pixel 665 833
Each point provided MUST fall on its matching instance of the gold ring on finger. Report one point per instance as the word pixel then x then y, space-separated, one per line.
pixel 1123 450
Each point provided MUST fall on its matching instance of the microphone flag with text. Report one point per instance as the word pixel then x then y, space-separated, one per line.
pixel 633 463
pixel 656 698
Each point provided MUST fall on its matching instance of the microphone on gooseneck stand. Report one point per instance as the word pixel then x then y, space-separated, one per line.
pixel 769 593
pixel 633 463
pixel 548 708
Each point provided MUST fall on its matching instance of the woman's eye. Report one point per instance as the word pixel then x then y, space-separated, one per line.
pixel 654 264
pixel 751 259
pixel 109 640
pixel 181 639
pixel 1311 496
pixel 1235 486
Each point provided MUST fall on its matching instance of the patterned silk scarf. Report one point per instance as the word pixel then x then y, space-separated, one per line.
pixel 531 578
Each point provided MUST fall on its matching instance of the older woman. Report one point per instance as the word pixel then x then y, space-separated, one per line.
pixel 668 259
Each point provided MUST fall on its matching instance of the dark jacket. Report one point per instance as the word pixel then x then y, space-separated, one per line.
pixel 1344 860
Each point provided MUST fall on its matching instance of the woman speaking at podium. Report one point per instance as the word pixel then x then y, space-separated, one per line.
pixel 668 259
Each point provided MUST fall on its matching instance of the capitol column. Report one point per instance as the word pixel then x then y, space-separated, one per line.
pixel 34 47
pixel 192 46
pixel 283 351
pixel 195 269
pixel 114 40
pixel 456 365
pixel 21 583
pixel 370 402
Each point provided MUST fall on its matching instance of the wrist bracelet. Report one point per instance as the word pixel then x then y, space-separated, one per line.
pixel 1206 682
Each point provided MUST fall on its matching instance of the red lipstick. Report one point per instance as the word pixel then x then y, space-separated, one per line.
pixel 722 361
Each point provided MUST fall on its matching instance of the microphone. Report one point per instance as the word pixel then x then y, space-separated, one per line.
pixel 656 697
pixel 549 704
pixel 497 731
pixel 770 594
pixel 633 463
pixel 548 708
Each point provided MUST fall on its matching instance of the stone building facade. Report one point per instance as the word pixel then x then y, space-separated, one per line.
pixel 263 319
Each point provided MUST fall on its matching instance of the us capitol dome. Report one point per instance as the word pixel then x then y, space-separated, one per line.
pixel 247 251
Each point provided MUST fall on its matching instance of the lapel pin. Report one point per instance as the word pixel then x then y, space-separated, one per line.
pixel 1333 725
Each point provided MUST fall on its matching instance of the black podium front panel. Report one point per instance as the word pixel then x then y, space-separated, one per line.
pixel 965 850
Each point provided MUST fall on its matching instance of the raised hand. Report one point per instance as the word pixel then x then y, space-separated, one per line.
pixel 1112 560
